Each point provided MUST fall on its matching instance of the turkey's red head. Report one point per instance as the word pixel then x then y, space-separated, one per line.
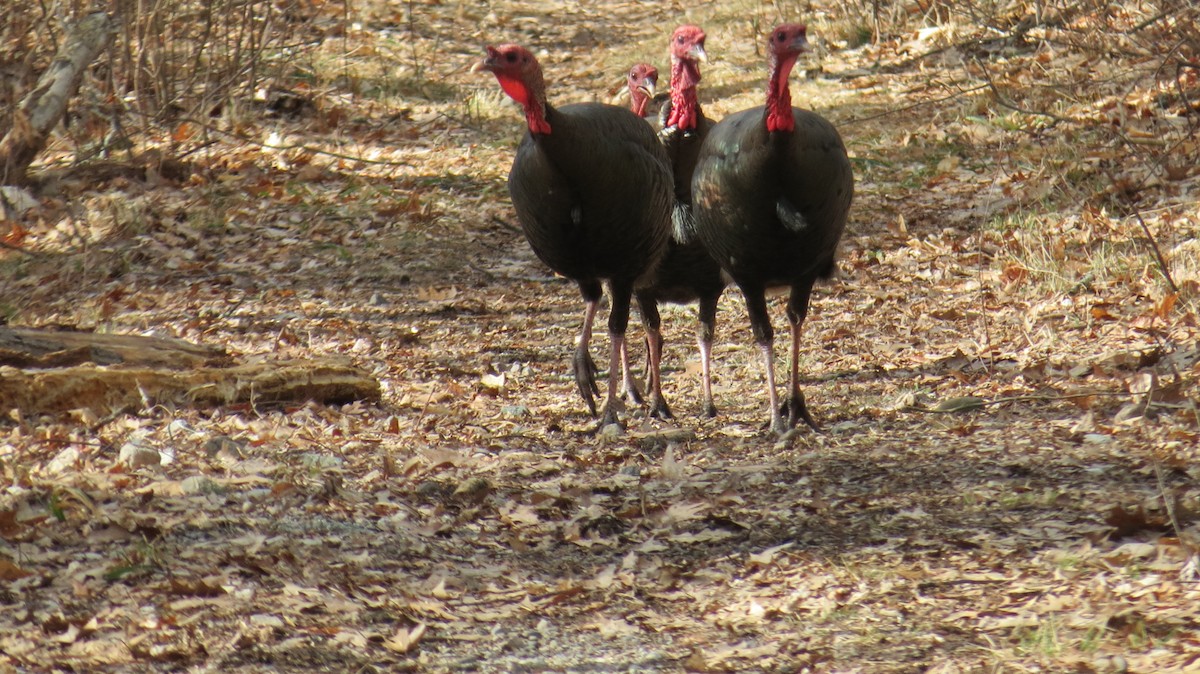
pixel 687 44
pixel 788 41
pixel 642 80
pixel 687 51
pixel 784 45
pixel 520 76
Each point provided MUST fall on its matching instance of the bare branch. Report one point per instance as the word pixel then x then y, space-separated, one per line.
pixel 45 105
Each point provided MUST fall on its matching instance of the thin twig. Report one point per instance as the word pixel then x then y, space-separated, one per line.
pixel 982 402
pixel 1151 243
pixel 505 224
pixel 30 253
pixel 282 148
pixel 906 108
pixel 1006 103
pixel 1169 504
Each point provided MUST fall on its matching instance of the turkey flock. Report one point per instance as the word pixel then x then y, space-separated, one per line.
pixel 673 209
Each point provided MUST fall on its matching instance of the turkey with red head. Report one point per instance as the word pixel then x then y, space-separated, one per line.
pixel 772 191
pixel 687 273
pixel 591 186
pixel 641 82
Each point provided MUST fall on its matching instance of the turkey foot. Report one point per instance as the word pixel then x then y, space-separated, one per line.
pixel 629 386
pixel 631 392
pixel 658 408
pixel 792 411
pixel 585 379
pixel 610 417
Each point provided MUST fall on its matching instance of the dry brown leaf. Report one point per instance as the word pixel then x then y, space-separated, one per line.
pixel 11 572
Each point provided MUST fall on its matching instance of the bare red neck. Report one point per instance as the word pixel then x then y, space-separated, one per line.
pixel 779 97
pixel 638 102
pixel 685 106
pixel 532 97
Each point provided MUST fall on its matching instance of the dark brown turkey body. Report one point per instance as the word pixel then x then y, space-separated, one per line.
pixel 592 189
pixel 589 196
pixel 772 193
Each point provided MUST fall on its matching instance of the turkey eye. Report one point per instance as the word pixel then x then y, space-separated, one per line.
pixel 511 57
pixel 679 39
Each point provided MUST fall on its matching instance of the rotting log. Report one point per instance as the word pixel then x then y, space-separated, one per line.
pixel 36 348
pixel 61 371
pixel 43 107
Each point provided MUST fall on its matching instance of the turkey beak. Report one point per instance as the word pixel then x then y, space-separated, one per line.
pixel 487 62
pixel 800 43
pixel 697 53
pixel 647 88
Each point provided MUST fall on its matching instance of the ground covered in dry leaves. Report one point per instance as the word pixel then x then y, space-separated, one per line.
pixel 1005 480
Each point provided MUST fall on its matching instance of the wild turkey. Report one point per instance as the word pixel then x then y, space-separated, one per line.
pixel 592 189
pixel 687 273
pixel 773 188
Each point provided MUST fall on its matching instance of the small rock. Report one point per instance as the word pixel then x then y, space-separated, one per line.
pixel 513 411
pixel 14 201
pixel 1113 664
pixel 473 490
pixel 224 448
pixel 611 432
pixel 264 620
pixel 199 484
pixel 180 427
pixel 64 461
pixel 321 461
pixel 136 456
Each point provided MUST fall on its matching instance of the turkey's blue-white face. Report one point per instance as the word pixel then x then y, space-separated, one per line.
pixel 788 40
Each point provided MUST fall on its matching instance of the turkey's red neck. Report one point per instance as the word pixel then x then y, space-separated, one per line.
pixel 532 98
pixel 779 97
pixel 685 107
pixel 640 101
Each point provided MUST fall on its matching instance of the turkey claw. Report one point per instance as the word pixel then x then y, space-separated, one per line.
pixel 792 411
pixel 658 408
pixel 631 392
pixel 585 379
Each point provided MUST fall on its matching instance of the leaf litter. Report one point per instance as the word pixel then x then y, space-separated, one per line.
pixel 1044 520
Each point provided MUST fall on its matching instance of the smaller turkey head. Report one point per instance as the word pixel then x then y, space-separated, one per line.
pixel 641 81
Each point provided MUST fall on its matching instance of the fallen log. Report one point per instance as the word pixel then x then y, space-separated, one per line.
pixel 60 371
pixel 35 348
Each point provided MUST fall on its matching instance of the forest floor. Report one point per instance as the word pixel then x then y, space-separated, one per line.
pixel 1005 480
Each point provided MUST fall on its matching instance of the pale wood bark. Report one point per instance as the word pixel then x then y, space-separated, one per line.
pixel 58 372
pixel 31 347
pixel 43 107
